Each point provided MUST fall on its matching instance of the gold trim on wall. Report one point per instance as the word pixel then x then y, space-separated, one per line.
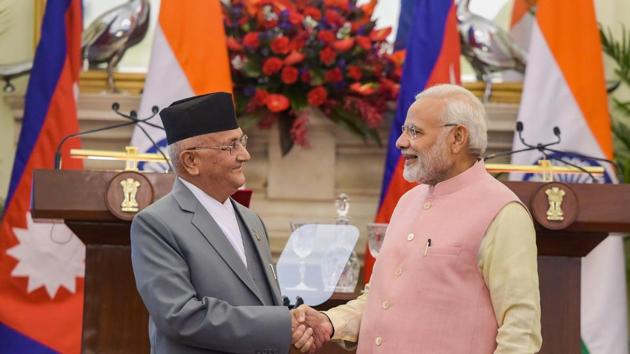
pixel 504 92
pixel 96 81
pixel 133 83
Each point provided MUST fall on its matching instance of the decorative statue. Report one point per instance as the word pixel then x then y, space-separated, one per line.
pixel 11 71
pixel 109 35
pixel 342 204
pixel 487 47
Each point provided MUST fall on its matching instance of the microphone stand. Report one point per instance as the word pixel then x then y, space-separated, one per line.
pixel 132 116
pixel 544 148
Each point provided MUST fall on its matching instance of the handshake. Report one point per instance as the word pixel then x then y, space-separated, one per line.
pixel 310 329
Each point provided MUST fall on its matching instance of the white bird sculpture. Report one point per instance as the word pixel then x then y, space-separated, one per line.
pixel 487 47
pixel 109 35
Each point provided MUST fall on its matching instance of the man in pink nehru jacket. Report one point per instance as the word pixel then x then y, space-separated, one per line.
pixel 457 272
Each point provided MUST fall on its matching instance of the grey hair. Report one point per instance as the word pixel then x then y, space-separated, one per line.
pixel 174 150
pixel 462 107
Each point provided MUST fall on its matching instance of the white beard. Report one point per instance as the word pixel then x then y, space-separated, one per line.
pixel 430 167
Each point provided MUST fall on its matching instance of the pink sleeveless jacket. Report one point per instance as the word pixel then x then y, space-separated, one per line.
pixel 431 298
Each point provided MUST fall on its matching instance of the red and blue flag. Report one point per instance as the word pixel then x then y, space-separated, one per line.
pixel 432 57
pixel 41 289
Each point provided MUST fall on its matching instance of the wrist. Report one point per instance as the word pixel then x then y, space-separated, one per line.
pixel 332 328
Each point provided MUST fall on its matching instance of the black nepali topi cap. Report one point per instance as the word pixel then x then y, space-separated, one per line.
pixel 198 115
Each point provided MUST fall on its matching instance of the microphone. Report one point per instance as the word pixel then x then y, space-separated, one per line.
pixel 133 117
pixel 556 132
pixel 544 148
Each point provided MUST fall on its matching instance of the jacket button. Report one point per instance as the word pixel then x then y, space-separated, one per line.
pixel 427 205
pixel 378 341
pixel 410 237
pixel 386 304
pixel 398 272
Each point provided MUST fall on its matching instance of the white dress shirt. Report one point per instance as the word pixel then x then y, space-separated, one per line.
pixel 223 214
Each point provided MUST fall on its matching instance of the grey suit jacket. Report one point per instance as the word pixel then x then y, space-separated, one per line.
pixel 199 294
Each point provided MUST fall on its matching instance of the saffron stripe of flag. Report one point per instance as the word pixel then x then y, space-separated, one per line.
pixel 564 86
pixel 189 57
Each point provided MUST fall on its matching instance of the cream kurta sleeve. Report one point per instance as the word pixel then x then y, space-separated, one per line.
pixel 346 319
pixel 508 262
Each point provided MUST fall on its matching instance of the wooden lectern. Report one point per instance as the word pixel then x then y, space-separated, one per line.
pixel 596 209
pixel 115 320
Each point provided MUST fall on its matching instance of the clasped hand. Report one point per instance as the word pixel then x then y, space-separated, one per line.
pixel 310 329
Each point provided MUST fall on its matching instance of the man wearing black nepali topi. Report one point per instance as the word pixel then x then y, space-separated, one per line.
pixel 201 260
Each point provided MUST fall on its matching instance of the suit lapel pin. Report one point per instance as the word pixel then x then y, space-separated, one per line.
pixel 256 235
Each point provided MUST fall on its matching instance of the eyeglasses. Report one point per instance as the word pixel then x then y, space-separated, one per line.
pixel 230 148
pixel 412 131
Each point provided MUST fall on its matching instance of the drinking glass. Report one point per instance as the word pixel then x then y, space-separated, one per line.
pixel 376 236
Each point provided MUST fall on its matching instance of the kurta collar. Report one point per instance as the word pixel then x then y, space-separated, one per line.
pixel 459 182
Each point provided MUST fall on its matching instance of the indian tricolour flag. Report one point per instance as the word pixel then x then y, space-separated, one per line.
pixel 189 57
pixel 564 86
pixel 521 22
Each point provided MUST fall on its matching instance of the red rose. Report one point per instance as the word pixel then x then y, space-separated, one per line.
pixel 326 36
pixel 277 103
pixel 327 56
pixel 317 96
pixel 272 66
pixel 334 75
pixel 313 12
pixel 298 41
pixel 260 96
pixel 293 58
pixel 354 72
pixel 380 35
pixel 251 40
pixel 295 18
pixel 343 45
pixel 289 75
pixel 342 4
pixel 334 17
pixel 233 44
pixel 280 45
pixel 364 42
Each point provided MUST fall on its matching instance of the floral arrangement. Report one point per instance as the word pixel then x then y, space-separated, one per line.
pixel 326 54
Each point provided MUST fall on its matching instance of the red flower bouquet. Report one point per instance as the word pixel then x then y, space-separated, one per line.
pixel 287 55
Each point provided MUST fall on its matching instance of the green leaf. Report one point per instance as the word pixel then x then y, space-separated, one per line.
pixel 624 107
pixel 251 68
pixel 338 117
pixel 317 77
pixel 249 120
pixel 619 51
pixel 297 97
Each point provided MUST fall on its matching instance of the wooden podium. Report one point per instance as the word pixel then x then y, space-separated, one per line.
pixel 115 320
